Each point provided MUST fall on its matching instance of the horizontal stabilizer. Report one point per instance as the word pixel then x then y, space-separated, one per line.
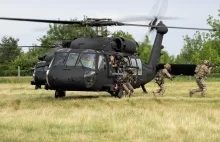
pixel 180 69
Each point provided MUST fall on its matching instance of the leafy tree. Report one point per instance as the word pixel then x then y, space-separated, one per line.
pixel 123 34
pixel 144 49
pixel 166 58
pixel 191 50
pixel 9 49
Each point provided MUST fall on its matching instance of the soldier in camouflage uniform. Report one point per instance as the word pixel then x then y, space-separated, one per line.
pixel 163 73
pixel 113 62
pixel 200 73
pixel 125 80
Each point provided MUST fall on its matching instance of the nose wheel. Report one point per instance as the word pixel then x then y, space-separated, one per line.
pixel 60 94
pixel 37 87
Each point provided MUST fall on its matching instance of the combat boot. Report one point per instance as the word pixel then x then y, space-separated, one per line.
pixel 154 93
pixel 191 93
pixel 203 95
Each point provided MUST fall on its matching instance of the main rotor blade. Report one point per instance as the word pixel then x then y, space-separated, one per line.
pixel 146 18
pixel 42 20
pixel 34 46
pixel 95 24
pixel 26 46
pixel 189 28
pixel 155 9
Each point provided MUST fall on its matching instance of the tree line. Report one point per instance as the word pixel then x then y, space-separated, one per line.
pixel 197 48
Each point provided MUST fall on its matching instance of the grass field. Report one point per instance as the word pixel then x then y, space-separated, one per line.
pixel 35 115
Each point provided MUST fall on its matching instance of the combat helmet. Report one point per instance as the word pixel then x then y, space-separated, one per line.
pixel 206 62
pixel 167 66
pixel 119 56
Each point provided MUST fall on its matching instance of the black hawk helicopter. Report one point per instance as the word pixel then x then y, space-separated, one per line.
pixel 85 65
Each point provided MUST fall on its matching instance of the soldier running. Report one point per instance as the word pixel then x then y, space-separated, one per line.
pixel 163 73
pixel 200 73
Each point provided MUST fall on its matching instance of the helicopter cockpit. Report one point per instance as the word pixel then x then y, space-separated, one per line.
pixel 84 59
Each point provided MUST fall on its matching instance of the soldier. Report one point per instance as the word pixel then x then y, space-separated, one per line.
pixel 200 73
pixel 132 80
pixel 163 73
pixel 121 62
pixel 113 62
pixel 125 82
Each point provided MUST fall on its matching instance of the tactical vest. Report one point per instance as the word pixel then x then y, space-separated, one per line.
pixel 160 75
pixel 200 72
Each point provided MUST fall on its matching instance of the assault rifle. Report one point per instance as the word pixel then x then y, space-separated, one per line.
pixel 214 65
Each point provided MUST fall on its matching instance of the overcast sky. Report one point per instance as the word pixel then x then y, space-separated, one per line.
pixel 194 12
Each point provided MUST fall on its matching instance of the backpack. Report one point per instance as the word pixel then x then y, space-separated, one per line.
pixel 197 68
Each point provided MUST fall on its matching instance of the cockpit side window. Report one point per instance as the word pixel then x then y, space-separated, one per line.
pixel 102 62
pixel 86 60
pixel 39 69
pixel 59 59
pixel 45 68
pixel 72 58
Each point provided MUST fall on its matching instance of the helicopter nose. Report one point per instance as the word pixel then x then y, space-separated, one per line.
pixel 74 79
pixel 39 77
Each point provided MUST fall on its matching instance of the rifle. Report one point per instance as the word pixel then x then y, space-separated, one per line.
pixel 214 65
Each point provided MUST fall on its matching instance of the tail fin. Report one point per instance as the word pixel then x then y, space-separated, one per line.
pixel 156 50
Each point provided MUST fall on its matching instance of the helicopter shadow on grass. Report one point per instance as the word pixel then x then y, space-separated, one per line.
pixel 76 97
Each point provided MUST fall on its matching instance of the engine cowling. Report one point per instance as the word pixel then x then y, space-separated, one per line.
pixel 125 45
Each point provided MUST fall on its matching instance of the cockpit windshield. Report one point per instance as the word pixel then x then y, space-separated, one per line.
pixel 59 59
pixel 72 58
pixel 87 60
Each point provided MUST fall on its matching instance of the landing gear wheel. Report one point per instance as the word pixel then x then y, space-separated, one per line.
pixel 37 87
pixel 46 87
pixel 59 94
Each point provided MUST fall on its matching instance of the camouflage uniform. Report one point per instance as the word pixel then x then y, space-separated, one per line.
pixel 125 82
pixel 112 60
pixel 200 73
pixel 163 73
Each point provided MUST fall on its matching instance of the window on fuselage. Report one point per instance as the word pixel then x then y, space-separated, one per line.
pixel 133 64
pixel 59 59
pixel 72 58
pixel 86 60
pixel 102 62
pixel 139 64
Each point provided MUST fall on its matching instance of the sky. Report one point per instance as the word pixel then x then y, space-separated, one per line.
pixel 193 13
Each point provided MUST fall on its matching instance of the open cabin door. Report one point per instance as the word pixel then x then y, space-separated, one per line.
pixel 136 62
pixel 101 72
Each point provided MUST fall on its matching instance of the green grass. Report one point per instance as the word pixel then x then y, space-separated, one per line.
pixel 15 79
pixel 35 115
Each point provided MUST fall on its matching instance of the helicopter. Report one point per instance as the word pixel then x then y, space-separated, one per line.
pixel 85 64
